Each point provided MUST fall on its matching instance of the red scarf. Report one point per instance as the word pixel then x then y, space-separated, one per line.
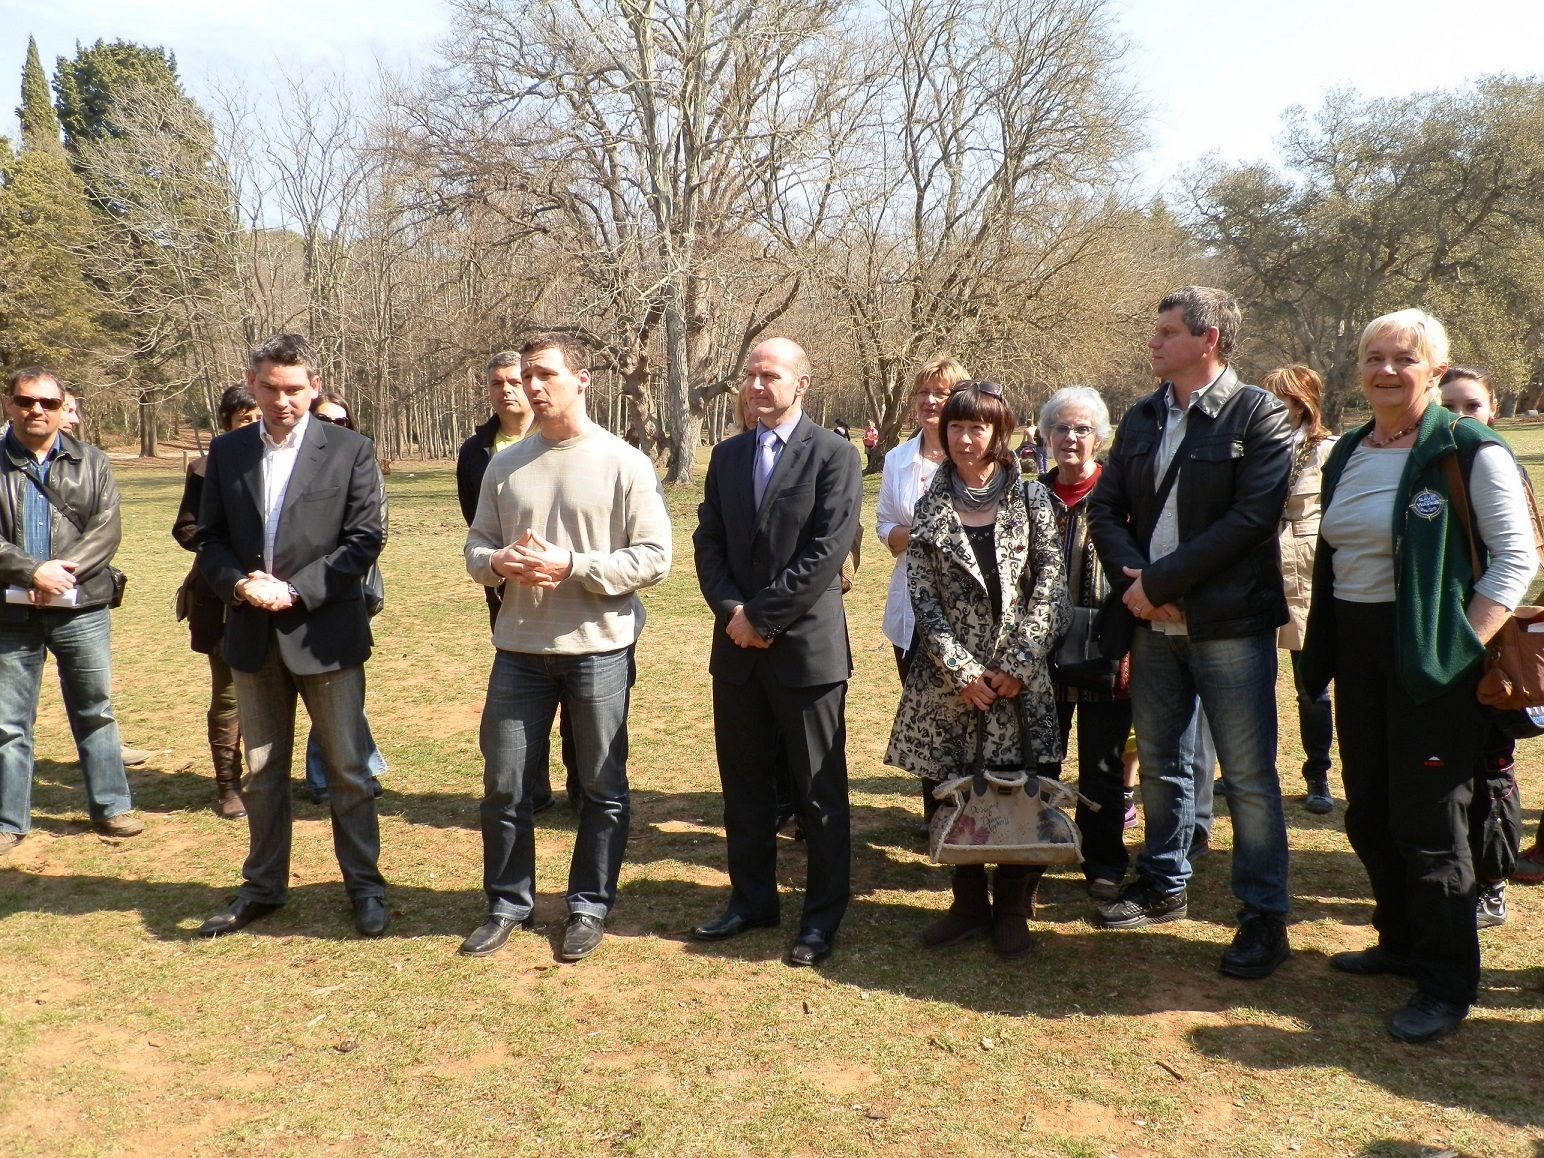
pixel 1071 494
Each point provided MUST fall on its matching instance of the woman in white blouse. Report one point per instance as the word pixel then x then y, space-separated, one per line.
pixel 908 471
pixel 1399 621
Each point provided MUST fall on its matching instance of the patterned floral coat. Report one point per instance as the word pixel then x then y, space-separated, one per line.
pixel 935 731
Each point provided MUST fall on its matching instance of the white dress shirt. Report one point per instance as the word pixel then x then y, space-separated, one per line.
pixel 278 464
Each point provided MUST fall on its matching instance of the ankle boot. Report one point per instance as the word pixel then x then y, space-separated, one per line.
pixel 971 912
pixel 1013 903
pixel 225 753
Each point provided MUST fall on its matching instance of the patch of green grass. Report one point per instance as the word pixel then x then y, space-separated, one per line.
pixel 123 1032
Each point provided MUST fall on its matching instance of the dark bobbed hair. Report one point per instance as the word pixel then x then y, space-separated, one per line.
pixel 234 400
pixel 982 401
pixel 337 400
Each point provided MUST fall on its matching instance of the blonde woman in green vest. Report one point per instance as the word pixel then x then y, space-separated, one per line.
pixel 1399 620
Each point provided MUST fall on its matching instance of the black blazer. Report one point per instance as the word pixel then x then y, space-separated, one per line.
pixel 329 534
pixel 783 562
pixel 471 463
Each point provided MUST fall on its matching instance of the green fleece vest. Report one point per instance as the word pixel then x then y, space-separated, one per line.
pixel 1434 646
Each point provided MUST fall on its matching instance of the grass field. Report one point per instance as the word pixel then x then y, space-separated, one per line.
pixel 122 1033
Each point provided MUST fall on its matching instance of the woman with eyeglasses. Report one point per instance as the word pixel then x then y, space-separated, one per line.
pixel 205 613
pixel 984 571
pixel 908 471
pixel 1076 426
pixel 331 408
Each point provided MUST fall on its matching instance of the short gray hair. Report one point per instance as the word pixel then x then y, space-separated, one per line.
pixel 1204 308
pixel 501 360
pixel 1086 397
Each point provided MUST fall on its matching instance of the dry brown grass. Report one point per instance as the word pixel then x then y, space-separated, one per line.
pixel 125 1034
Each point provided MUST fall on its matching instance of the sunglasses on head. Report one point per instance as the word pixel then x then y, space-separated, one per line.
pixel 343 422
pixel 24 402
pixel 983 386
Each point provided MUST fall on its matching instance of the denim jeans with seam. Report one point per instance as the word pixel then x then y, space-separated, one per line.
pixel 80 644
pixel 1235 682
pixel 524 691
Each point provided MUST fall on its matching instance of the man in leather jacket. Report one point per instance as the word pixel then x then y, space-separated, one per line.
pixel 1184 519
pixel 58 532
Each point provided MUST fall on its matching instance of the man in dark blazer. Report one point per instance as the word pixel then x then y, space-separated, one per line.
pixel 290 523
pixel 779 510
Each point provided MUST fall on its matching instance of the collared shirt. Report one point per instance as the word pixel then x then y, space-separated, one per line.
pixel 278 464
pixel 1165 539
pixel 36 512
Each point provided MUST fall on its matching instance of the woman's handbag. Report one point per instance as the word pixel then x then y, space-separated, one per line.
pixel 1077 661
pixel 1012 817
pixel 1514 658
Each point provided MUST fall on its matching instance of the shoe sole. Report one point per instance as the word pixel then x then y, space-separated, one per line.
pixel 1255 973
pixel 1143 921
pixel 742 930
pixel 1489 922
pixel 565 955
pixel 1319 809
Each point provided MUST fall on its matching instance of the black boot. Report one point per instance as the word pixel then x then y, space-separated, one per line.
pixel 1013 904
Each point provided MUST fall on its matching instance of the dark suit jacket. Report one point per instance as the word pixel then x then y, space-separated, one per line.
pixel 784 561
pixel 329 534
pixel 471 463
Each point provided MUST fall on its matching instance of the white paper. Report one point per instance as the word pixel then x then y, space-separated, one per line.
pixel 21 595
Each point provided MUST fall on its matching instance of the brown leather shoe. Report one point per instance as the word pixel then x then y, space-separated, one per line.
pixel 225 755
pixel 125 824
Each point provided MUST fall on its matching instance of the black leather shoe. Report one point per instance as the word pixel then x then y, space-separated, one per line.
pixel 489 937
pixel 1371 962
pixel 1259 946
pixel 582 937
pixel 1425 1018
pixel 810 949
pixel 371 916
pixel 732 925
pixel 241 914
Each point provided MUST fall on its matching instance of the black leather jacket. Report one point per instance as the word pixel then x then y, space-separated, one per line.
pixel 1232 486
pixel 83 481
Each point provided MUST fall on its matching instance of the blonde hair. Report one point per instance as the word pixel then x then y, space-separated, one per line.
pixel 943 370
pixel 1431 340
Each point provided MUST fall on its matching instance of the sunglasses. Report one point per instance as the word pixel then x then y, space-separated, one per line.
pixel 343 422
pixel 24 403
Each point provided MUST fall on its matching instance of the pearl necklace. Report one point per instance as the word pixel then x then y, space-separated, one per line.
pixel 1380 443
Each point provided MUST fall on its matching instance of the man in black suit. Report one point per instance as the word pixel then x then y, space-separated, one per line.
pixel 779 510
pixel 290 523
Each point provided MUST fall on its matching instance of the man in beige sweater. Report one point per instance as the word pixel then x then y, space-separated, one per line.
pixel 572 521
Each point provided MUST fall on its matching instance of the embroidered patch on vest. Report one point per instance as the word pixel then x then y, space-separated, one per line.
pixel 1427 503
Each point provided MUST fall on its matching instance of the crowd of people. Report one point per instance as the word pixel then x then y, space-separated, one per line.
pixel 1219 523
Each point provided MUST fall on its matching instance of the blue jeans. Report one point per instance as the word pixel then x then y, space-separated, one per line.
pixel 316 768
pixel 1235 680
pixel 524 691
pixel 79 643
pixel 1202 758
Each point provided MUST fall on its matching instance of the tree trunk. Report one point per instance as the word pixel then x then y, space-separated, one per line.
pixel 147 432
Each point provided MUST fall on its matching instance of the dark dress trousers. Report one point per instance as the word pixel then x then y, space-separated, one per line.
pixel 782 562
pixel 329 534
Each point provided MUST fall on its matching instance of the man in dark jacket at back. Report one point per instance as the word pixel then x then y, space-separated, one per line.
pixel 1184 519
pixel 58 532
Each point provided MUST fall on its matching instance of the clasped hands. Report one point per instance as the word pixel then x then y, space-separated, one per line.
pixel 265 592
pixel 742 631
pixel 988 687
pixel 532 561
pixel 1141 606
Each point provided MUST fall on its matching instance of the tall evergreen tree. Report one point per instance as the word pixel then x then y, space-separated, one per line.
pixel 39 122
pixel 86 86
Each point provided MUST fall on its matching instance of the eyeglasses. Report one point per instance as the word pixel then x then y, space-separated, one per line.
pixel 931 395
pixel 23 403
pixel 343 422
pixel 1061 430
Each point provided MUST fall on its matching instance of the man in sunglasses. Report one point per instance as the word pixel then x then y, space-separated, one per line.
pixel 58 532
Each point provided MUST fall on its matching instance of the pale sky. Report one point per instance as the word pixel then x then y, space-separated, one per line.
pixel 1216 74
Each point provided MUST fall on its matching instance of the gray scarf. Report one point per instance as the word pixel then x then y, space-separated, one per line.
pixel 977 499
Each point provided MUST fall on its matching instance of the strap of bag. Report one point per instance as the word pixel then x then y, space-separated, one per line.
pixel 55 501
pixel 1458 495
pixel 1170 476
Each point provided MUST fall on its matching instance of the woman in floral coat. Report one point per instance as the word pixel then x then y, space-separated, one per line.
pixel 985 573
